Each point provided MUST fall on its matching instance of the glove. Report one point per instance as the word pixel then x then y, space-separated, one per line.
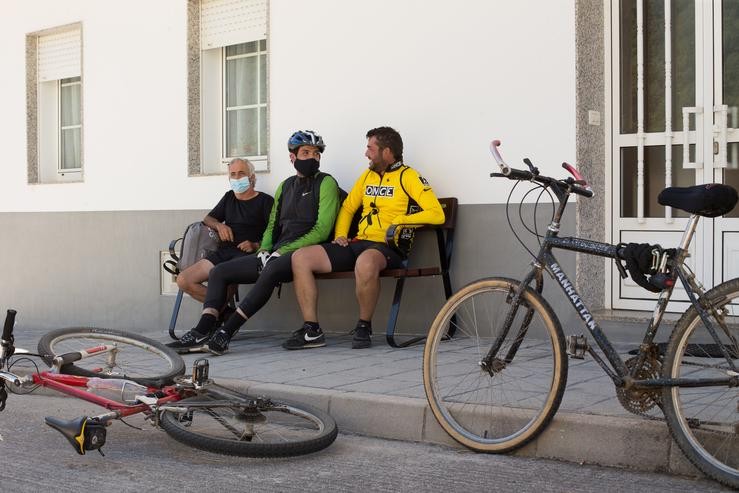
pixel 264 257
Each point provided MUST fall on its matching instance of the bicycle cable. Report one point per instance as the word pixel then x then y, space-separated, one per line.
pixel 11 365
pixel 535 231
pixel 130 425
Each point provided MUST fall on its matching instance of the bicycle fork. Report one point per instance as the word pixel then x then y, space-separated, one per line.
pixel 492 364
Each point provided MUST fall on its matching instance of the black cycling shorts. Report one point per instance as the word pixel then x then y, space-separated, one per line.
pixel 224 254
pixel 343 258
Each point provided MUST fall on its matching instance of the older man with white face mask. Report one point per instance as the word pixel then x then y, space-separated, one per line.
pixel 240 219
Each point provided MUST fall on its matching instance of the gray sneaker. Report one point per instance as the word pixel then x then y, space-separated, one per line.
pixel 362 336
pixel 190 342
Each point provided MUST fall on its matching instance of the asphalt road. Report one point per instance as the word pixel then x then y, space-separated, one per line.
pixel 36 458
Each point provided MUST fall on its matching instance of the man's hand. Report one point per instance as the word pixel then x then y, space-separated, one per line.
pixel 224 232
pixel 341 240
pixel 247 246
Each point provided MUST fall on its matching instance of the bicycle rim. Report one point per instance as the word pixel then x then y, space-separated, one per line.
pixel 704 421
pixel 137 358
pixel 504 411
pixel 233 424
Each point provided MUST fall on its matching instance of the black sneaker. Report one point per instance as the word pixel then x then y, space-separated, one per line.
pixel 304 338
pixel 191 342
pixel 362 339
pixel 218 344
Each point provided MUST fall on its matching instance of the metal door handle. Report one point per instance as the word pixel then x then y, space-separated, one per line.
pixel 698 163
pixel 720 135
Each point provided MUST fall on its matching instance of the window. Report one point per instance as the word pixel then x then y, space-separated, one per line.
pixel 70 125
pixel 245 111
pixel 232 112
pixel 54 81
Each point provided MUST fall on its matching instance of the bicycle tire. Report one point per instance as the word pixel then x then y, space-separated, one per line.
pixel 703 421
pixel 139 359
pixel 224 423
pixel 499 413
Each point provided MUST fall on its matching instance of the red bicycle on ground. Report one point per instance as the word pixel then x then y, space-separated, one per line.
pixel 128 374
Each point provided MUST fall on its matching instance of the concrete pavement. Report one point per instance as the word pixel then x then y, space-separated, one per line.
pixel 379 392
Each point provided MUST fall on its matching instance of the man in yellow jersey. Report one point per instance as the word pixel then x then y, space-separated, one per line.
pixel 389 193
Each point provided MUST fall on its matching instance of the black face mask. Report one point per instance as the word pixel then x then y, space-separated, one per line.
pixel 306 167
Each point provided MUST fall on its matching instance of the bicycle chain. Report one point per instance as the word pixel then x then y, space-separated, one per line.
pixel 640 401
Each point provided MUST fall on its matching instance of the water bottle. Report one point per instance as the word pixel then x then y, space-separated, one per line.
pixel 116 389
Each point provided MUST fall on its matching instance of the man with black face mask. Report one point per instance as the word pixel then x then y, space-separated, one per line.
pixel 303 214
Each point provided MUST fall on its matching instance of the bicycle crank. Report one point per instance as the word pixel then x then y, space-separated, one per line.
pixel 639 401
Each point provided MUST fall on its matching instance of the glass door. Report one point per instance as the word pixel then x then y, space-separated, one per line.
pixel 662 79
pixel 726 133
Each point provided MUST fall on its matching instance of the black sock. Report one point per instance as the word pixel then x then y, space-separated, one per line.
pixel 312 325
pixel 233 323
pixel 367 323
pixel 206 324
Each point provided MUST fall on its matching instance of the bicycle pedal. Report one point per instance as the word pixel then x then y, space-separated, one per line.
pixel 200 372
pixel 577 346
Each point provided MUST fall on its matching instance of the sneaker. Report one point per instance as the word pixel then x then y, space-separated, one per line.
pixel 191 342
pixel 362 339
pixel 304 338
pixel 218 344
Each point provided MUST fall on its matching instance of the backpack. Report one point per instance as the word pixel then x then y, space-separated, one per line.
pixel 196 243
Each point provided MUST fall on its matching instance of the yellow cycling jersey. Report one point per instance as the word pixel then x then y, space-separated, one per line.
pixel 399 196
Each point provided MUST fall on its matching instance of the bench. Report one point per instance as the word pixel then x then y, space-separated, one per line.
pixel 444 243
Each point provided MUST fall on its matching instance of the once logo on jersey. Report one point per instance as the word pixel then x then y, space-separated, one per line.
pixel 379 191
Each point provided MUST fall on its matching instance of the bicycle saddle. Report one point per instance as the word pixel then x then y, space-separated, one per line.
pixel 83 433
pixel 709 200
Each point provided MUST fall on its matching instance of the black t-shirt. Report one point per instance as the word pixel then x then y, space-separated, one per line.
pixel 247 218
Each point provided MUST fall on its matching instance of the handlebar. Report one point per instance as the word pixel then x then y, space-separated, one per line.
pixel 8 327
pixel 577 185
pixel 6 343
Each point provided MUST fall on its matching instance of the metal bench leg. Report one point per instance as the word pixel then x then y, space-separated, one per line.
pixel 393 319
pixel 175 312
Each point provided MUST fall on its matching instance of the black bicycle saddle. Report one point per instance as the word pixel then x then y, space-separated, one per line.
pixel 83 433
pixel 709 200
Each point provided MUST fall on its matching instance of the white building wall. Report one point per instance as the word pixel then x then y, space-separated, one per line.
pixel 448 76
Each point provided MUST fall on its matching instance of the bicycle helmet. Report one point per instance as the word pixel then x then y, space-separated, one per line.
pixel 305 138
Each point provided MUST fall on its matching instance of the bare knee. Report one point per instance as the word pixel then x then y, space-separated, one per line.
pixel 368 266
pixel 310 259
pixel 195 274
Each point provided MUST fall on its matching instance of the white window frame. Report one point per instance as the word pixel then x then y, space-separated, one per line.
pixel 62 128
pixel 225 23
pixel 57 56
pixel 262 157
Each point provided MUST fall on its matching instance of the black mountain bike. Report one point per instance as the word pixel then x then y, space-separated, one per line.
pixel 497 383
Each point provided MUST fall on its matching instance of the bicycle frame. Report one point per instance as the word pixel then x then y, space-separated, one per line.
pixel 75 386
pixel 618 370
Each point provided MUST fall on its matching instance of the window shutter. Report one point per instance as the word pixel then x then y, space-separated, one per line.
pixel 60 55
pixel 230 22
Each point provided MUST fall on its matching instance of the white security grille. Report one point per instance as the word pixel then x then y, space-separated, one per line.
pixel 60 55
pixel 229 22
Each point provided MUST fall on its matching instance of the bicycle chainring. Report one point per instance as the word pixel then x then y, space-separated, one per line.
pixel 639 401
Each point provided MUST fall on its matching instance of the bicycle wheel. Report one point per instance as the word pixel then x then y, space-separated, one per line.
pixel 230 423
pixel 704 421
pixel 504 408
pixel 137 358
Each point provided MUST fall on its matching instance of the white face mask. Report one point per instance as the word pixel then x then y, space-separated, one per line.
pixel 241 185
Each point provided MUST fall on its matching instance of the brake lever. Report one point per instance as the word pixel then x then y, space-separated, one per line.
pixel 534 170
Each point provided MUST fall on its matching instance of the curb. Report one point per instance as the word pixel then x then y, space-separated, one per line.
pixel 632 443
